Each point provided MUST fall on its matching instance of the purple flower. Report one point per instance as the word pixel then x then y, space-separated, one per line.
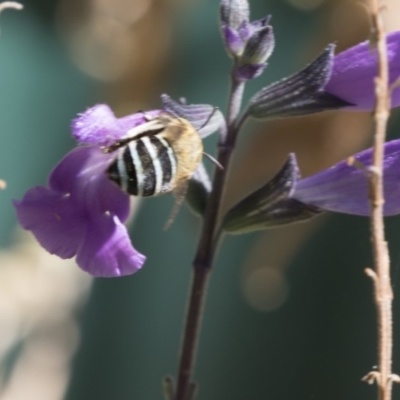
pixel 329 82
pixel 99 126
pixel 355 69
pixel 81 212
pixel 343 188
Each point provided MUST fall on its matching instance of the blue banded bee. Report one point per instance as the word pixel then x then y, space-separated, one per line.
pixel 156 157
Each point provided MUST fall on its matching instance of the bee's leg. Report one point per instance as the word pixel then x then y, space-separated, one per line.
pixel 180 194
pixel 213 160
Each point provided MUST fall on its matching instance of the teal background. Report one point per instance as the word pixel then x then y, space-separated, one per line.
pixel 316 346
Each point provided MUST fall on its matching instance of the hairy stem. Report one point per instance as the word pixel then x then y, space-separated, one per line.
pixel 381 276
pixel 205 251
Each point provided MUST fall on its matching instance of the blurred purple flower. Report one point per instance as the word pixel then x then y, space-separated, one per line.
pixel 355 69
pixel 343 188
pixel 81 212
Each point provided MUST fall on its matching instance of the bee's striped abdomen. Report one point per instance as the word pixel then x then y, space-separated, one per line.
pixel 144 167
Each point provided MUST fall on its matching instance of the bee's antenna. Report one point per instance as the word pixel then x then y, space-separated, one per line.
pixel 209 118
pixel 213 160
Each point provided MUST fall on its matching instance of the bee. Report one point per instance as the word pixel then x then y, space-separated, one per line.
pixel 157 157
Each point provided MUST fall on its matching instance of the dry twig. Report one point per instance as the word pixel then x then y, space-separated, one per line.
pixel 381 276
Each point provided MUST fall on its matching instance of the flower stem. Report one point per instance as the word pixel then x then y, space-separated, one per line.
pixel 381 276
pixel 203 261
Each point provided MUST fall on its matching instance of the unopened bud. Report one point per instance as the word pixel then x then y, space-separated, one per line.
pixel 259 47
pixel 234 12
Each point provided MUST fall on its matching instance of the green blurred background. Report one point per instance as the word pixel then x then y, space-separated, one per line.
pixel 289 313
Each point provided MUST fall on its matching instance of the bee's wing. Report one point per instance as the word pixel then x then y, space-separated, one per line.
pixel 154 125
pixel 180 194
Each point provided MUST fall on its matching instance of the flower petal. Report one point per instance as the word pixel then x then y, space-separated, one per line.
pixel 64 177
pixel 99 126
pixel 106 250
pixel 52 217
pixel 354 71
pixel 204 117
pixel 343 188
pixel 81 213
pixel 81 173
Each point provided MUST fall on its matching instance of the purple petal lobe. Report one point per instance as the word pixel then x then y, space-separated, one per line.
pixel 81 213
pixel 343 188
pixel 99 126
pixel 81 173
pixel 106 250
pixel 53 219
pixel 354 71
pixel 64 176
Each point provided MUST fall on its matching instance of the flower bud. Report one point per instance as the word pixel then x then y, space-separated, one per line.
pixel 251 46
pixel 271 205
pixel 234 12
pixel 205 118
pixel 259 46
pixel 233 15
pixel 299 94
